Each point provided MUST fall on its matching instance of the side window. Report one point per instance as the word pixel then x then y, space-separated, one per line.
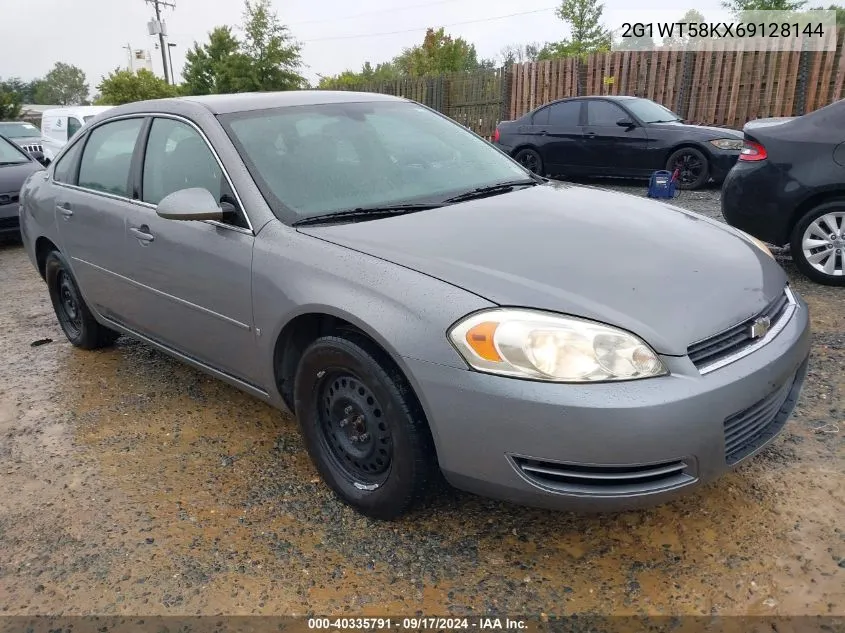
pixel 107 157
pixel 566 114
pixel 73 125
pixel 604 113
pixel 541 117
pixel 178 158
pixel 64 169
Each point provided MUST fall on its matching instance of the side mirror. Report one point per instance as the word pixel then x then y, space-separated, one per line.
pixel 626 123
pixel 190 204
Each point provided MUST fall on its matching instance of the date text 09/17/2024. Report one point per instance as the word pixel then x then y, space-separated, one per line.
pixel 418 624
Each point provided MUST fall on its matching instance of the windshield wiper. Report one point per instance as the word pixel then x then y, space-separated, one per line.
pixel 667 121
pixel 491 190
pixel 366 212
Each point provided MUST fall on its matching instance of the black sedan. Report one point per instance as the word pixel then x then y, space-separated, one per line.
pixel 15 167
pixel 619 137
pixel 788 187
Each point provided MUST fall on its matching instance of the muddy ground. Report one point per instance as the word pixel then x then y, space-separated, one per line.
pixel 130 484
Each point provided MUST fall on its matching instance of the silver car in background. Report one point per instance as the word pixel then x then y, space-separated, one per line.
pixel 420 301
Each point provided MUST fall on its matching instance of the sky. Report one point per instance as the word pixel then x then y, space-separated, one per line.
pixel 335 35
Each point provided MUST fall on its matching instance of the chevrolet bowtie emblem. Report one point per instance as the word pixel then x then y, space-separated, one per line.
pixel 760 327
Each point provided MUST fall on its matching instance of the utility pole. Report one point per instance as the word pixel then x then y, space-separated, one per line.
pixel 157 28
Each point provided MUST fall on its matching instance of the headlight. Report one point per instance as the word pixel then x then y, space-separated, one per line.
pixel 543 346
pixel 762 246
pixel 728 143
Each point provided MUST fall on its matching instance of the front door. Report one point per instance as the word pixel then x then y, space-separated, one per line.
pixel 557 132
pixel 92 197
pixel 611 149
pixel 192 280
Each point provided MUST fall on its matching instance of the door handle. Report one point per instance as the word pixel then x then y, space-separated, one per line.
pixel 589 134
pixel 64 209
pixel 542 132
pixel 142 233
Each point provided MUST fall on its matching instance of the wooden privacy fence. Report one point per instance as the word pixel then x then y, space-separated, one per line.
pixel 712 87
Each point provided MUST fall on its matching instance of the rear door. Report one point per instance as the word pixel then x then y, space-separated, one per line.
pixel 191 280
pixel 611 149
pixel 557 133
pixel 92 196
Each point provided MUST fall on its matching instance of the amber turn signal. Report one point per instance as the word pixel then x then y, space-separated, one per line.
pixel 480 339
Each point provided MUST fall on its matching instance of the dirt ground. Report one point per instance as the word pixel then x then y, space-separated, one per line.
pixel 131 484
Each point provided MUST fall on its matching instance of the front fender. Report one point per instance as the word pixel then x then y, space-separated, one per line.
pixel 406 312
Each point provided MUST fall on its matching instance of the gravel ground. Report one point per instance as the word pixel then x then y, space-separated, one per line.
pixel 134 485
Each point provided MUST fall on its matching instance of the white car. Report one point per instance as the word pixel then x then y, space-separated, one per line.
pixel 59 125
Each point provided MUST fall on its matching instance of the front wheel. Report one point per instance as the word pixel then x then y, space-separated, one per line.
pixel 692 166
pixel 531 160
pixel 818 244
pixel 362 427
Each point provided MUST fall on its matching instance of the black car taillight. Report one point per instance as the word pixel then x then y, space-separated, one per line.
pixel 752 151
pixel 496 136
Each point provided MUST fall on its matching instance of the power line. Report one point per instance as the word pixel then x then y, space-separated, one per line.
pixel 158 4
pixel 380 12
pixel 423 28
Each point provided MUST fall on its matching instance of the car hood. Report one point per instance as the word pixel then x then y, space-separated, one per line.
pixel 12 176
pixel 670 276
pixel 704 132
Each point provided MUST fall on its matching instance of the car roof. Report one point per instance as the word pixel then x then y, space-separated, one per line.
pixel 248 101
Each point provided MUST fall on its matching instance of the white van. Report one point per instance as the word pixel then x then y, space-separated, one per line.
pixel 60 124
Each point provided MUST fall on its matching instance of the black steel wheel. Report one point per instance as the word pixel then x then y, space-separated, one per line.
pixel 363 426
pixel 74 316
pixel 531 160
pixel 692 166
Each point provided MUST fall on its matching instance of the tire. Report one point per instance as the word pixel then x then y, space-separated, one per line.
pixel 531 160
pixel 823 260
pixel 77 322
pixel 695 170
pixel 388 468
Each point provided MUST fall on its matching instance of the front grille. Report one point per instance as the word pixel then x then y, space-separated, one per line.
pixel 9 223
pixel 32 147
pixel 605 480
pixel 733 340
pixel 751 428
pixel 9 198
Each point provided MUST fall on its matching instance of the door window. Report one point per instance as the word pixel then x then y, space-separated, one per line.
pixel 107 157
pixel 604 113
pixel 565 114
pixel 64 170
pixel 73 125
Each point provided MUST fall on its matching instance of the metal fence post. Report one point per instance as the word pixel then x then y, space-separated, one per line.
pixel 801 83
pixel 683 100
pixel 505 94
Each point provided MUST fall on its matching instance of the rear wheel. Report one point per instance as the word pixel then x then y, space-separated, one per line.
pixel 531 160
pixel 691 164
pixel 77 322
pixel 818 244
pixel 362 427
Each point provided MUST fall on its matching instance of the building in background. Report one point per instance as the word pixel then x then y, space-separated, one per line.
pixel 139 59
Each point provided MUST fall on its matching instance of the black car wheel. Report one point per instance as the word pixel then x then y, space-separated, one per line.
pixel 818 243
pixel 692 166
pixel 77 322
pixel 531 160
pixel 362 427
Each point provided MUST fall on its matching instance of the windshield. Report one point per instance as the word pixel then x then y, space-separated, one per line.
pixel 313 160
pixel 11 154
pixel 650 112
pixel 19 130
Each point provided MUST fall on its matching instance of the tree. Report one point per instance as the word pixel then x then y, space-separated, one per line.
pixel 840 13
pixel 124 86
pixel 742 7
pixel 588 34
pixel 520 53
pixel 274 58
pixel 439 53
pixel 10 105
pixel 675 40
pixel 212 68
pixel 265 59
pixel 64 85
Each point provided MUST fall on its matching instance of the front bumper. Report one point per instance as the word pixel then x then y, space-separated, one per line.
pixel 9 219
pixel 610 446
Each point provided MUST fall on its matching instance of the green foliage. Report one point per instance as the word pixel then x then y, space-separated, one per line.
pixel 520 53
pixel 10 105
pixel 438 54
pixel 64 85
pixel 25 90
pixel 840 13
pixel 124 86
pixel 741 7
pixel 690 17
pixel 266 59
pixel 588 34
